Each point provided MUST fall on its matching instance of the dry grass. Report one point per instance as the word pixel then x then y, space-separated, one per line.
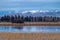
pixel 30 24
pixel 43 23
pixel 29 36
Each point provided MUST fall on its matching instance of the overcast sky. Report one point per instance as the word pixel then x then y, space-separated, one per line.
pixel 29 4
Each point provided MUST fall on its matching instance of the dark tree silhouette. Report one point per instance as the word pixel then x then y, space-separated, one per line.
pixel 18 19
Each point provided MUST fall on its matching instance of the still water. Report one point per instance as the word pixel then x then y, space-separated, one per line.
pixel 30 29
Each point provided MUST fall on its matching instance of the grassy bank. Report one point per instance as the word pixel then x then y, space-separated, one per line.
pixel 30 24
pixel 29 36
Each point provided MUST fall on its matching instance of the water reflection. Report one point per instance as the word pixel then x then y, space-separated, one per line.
pixel 18 27
pixel 30 29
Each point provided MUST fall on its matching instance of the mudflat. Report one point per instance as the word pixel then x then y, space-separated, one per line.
pixel 30 24
pixel 29 36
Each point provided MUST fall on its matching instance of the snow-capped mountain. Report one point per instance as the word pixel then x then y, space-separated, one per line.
pixel 39 13
pixel 32 13
pixel 36 11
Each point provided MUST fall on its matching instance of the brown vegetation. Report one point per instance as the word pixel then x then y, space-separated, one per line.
pixel 29 36
pixel 30 24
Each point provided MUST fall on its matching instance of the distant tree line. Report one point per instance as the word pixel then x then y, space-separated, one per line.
pixel 19 18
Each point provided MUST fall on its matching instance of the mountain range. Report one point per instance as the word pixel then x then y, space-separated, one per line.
pixel 31 13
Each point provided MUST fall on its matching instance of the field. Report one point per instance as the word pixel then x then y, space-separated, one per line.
pixel 30 24
pixel 29 36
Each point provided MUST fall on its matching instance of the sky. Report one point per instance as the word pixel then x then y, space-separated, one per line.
pixel 29 4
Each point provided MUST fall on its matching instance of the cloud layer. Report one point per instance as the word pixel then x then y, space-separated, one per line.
pixel 29 4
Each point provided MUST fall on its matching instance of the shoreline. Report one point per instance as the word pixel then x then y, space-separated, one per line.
pixel 30 24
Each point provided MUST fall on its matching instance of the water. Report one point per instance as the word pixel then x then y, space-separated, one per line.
pixel 30 29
